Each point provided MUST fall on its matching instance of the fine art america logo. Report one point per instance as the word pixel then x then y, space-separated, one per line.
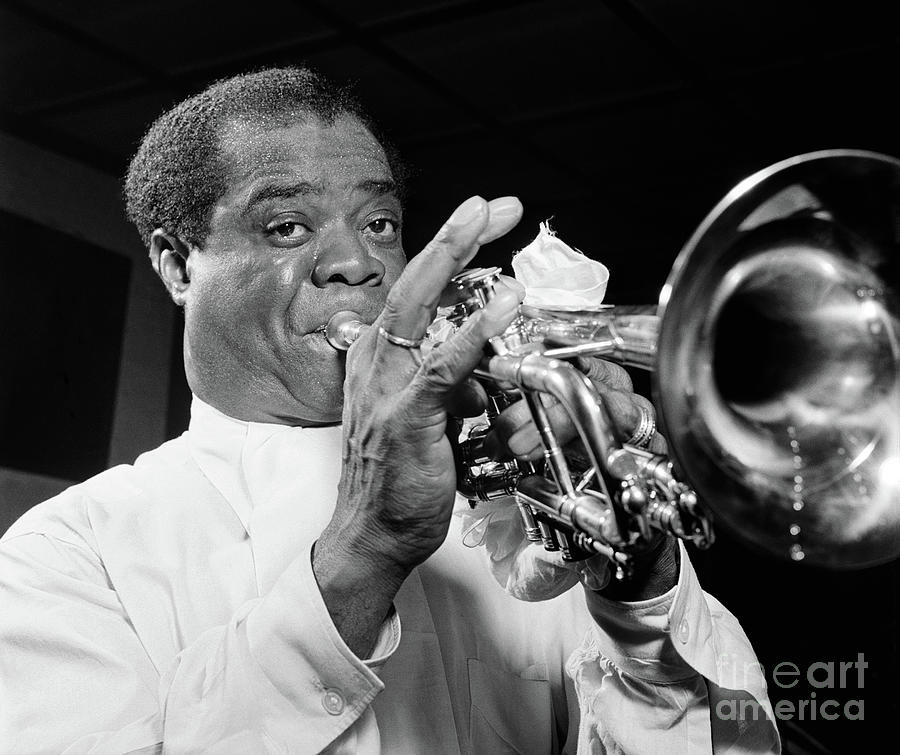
pixel 815 684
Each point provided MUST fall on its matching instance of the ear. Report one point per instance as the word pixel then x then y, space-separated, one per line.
pixel 169 255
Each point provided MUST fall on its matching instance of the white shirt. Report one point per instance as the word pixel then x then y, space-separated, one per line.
pixel 171 605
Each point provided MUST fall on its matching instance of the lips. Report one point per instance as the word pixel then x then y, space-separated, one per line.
pixel 312 308
pixel 324 326
pixel 365 312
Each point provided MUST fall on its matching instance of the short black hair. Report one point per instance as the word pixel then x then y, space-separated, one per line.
pixel 178 174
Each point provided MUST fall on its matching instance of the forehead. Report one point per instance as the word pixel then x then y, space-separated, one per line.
pixel 342 153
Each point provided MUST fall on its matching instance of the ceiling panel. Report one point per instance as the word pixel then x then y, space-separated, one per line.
pixel 404 106
pixel 364 12
pixel 38 65
pixel 847 102
pixel 114 128
pixel 524 59
pixel 490 167
pixel 655 139
pixel 174 35
pixel 740 34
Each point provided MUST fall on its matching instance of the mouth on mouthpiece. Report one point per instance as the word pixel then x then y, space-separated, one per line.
pixel 343 328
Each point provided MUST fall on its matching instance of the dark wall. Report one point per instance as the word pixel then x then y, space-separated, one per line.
pixel 62 303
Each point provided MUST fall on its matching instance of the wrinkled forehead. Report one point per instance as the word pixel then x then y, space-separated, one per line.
pixel 303 146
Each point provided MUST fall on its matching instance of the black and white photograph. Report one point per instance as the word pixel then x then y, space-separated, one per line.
pixel 449 377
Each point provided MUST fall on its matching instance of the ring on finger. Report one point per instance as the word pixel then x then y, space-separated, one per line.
pixel 406 343
pixel 645 429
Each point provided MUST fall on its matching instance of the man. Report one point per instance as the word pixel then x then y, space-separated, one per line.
pixel 242 588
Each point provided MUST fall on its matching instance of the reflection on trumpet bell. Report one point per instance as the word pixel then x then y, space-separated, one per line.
pixel 778 379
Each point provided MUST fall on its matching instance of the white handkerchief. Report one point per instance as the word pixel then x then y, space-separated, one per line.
pixel 555 274
pixel 526 570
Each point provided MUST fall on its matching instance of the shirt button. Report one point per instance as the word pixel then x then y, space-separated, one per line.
pixel 333 702
pixel 684 631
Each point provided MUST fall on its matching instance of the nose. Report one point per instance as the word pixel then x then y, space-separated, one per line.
pixel 344 258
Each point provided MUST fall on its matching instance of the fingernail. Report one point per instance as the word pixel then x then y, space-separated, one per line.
pixel 524 445
pixel 468 211
pixel 505 207
pixel 505 212
pixel 513 285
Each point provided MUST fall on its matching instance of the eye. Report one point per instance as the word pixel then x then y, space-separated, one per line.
pixel 288 231
pixel 384 229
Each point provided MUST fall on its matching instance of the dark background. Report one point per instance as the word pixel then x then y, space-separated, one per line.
pixel 61 348
pixel 623 120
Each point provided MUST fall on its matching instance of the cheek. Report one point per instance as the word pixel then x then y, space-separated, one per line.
pixel 393 266
pixel 261 283
pixel 231 296
pixel 287 272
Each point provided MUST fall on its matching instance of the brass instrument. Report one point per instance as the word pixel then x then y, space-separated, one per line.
pixel 775 354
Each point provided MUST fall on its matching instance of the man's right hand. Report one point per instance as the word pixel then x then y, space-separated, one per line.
pixel 398 481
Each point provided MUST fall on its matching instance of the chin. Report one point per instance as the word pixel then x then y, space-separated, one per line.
pixel 320 396
pixel 309 411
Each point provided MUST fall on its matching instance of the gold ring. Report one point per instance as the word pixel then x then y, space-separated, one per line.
pixel 645 430
pixel 406 343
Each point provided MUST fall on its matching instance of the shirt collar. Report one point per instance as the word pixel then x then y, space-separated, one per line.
pixel 238 457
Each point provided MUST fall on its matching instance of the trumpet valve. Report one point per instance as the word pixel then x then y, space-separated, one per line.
pixel 633 497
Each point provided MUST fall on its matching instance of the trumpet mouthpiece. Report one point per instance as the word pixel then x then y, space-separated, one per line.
pixel 343 329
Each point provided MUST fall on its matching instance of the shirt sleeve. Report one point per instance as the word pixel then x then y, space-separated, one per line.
pixel 675 673
pixel 74 676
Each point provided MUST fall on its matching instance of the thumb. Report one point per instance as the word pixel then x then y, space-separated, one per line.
pixel 446 367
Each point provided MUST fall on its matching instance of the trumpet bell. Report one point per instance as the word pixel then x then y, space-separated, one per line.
pixel 777 379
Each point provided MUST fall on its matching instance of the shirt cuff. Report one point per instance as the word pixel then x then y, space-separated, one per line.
pixel 387 643
pixel 294 640
pixel 641 637
pixel 710 639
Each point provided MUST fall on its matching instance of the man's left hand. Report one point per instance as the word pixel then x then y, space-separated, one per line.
pixel 514 434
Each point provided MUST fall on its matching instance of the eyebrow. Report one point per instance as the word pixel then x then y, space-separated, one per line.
pixel 282 191
pixel 376 187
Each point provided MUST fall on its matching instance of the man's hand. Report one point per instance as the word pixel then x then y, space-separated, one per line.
pixel 514 434
pixel 534 574
pixel 398 483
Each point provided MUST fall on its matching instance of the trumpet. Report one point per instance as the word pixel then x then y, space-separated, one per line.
pixel 774 350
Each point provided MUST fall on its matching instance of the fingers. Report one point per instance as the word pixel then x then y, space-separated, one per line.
pixel 468 399
pixel 627 411
pixel 514 434
pixel 626 407
pixel 505 214
pixel 658 445
pixel 603 374
pixel 414 297
pixel 452 294
pixel 447 366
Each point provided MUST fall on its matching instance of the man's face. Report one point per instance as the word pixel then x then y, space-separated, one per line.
pixel 309 225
